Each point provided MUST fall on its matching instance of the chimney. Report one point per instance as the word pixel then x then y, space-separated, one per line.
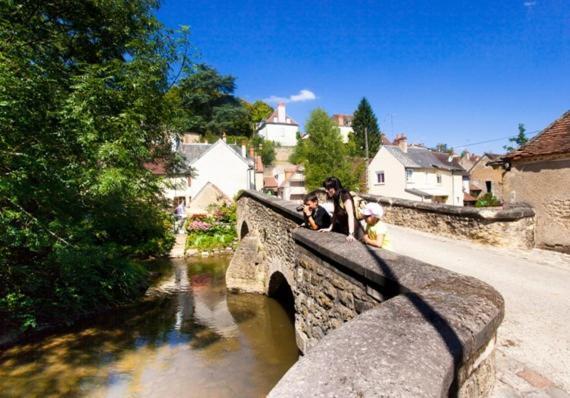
pixel 402 141
pixel 243 151
pixel 281 114
pixel 251 152
pixel 341 120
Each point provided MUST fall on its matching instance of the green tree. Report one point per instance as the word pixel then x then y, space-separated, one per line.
pixel 443 148
pixel 265 148
pixel 365 121
pixel 519 140
pixel 82 88
pixel 208 103
pixel 258 111
pixel 324 153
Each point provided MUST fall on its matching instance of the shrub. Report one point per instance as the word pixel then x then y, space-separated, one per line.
pixel 488 200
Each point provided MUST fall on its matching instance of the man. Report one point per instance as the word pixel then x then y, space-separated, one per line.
pixel 316 217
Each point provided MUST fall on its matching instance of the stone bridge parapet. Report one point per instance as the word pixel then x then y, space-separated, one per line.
pixel 370 322
pixel 512 227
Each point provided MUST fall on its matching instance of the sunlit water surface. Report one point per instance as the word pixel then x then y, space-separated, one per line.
pixel 190 338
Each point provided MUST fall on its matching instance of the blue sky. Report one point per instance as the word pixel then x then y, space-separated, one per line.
pixel 457 72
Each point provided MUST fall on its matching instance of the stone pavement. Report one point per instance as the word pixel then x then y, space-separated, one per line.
pixel 179 246
pixel 533 346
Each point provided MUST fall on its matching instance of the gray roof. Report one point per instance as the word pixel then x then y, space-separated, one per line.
pixel 193 152
pixel 422 158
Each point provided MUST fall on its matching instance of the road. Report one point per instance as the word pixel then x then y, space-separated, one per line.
pixel 533 347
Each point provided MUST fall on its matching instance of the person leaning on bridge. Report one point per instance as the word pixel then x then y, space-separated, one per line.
pixel 344 216
pixel 316 217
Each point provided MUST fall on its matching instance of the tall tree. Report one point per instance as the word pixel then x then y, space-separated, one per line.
pixel 82 85
pixel 519 140
pixel 365 123
pixel 208 103
pixel 324 154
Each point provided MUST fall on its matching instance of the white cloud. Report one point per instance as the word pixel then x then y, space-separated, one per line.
pixel 303 95
pixel 529 4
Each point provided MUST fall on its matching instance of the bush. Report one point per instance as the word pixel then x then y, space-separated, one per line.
pixel 214 231
pixel 488 200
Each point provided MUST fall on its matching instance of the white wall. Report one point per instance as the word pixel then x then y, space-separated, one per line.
pixel 345 131
pixel 394 176
pixel 284 134
pixel 223 167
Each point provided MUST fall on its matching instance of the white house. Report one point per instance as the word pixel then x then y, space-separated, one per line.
pixel 279 127
pixel 291 182
pixel 416 173
pixel 224 166
pixel 344 123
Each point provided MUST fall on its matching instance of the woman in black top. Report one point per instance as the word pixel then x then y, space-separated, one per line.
pixel 344 217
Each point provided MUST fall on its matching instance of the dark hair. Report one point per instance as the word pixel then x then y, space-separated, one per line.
pixel 311 197
pixel 332 182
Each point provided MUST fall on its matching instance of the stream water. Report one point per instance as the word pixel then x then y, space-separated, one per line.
pixel 189 338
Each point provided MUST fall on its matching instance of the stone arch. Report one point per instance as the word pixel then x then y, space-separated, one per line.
pixel 280 290
pixel 244 230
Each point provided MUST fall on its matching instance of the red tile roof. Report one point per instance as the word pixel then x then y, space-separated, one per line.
pixel 553 140
pixel 158 167
pixel 270 182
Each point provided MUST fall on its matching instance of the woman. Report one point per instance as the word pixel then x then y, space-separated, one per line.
pixel 344 217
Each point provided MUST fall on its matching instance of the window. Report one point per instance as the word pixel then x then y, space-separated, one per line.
pixel 380 178
pixel 409 175
pixel 438 178
pixel 488 184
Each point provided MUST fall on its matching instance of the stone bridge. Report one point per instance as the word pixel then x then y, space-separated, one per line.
pixel 369 322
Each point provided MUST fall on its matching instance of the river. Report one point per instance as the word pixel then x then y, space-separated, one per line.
pixel 188 338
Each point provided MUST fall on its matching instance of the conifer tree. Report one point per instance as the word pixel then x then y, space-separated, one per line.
pixel 364 118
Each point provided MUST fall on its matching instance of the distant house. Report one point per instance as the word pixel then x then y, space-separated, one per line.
pixel 344 123
pixel 292 185
pixel 225 167
pixel 539 174
pixel 486 179
pixel 416 173
pixel 279 127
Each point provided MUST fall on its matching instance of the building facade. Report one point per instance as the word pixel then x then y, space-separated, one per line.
pixel 415 173
pixel 279 127
pixel 538 174
pixel 344 123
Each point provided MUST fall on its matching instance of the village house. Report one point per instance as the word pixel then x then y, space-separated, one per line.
pixel 483 178
pixel 415 173
pixel 220 171
pixel 344 123
pixel 279 127
pixel 538 174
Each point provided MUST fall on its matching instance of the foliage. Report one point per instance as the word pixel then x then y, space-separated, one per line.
pixel 258 111
pixel 214 231
pixel 519 140
pixel 265 148
pixel 299 151
pixel 488 200
pixel 443 148
pixel 323 153
pixel 365 119
pixel 206 103
pixel 82 109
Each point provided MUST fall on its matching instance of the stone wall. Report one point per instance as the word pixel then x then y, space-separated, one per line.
pixel 506 227
pixel 544 185
pixel 370 322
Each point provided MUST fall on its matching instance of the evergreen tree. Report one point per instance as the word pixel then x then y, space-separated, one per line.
pixel 364 118
pixel 324 154
pixel 519 140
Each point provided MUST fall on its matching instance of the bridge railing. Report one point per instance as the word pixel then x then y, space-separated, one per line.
pixel 430 333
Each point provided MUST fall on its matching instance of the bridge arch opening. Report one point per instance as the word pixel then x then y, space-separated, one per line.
pixel 280 290
pixel 244 230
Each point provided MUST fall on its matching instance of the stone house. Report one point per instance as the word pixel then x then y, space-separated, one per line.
pixel 344 123
pixel 291 183
pixel 279 127
pixel 415 173
pixel 483 178
pixel 538 174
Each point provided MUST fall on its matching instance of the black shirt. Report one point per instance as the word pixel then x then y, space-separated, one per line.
pixel 340 215
pixel 320 216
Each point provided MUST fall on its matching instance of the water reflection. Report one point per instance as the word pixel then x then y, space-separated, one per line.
pixel 189 338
